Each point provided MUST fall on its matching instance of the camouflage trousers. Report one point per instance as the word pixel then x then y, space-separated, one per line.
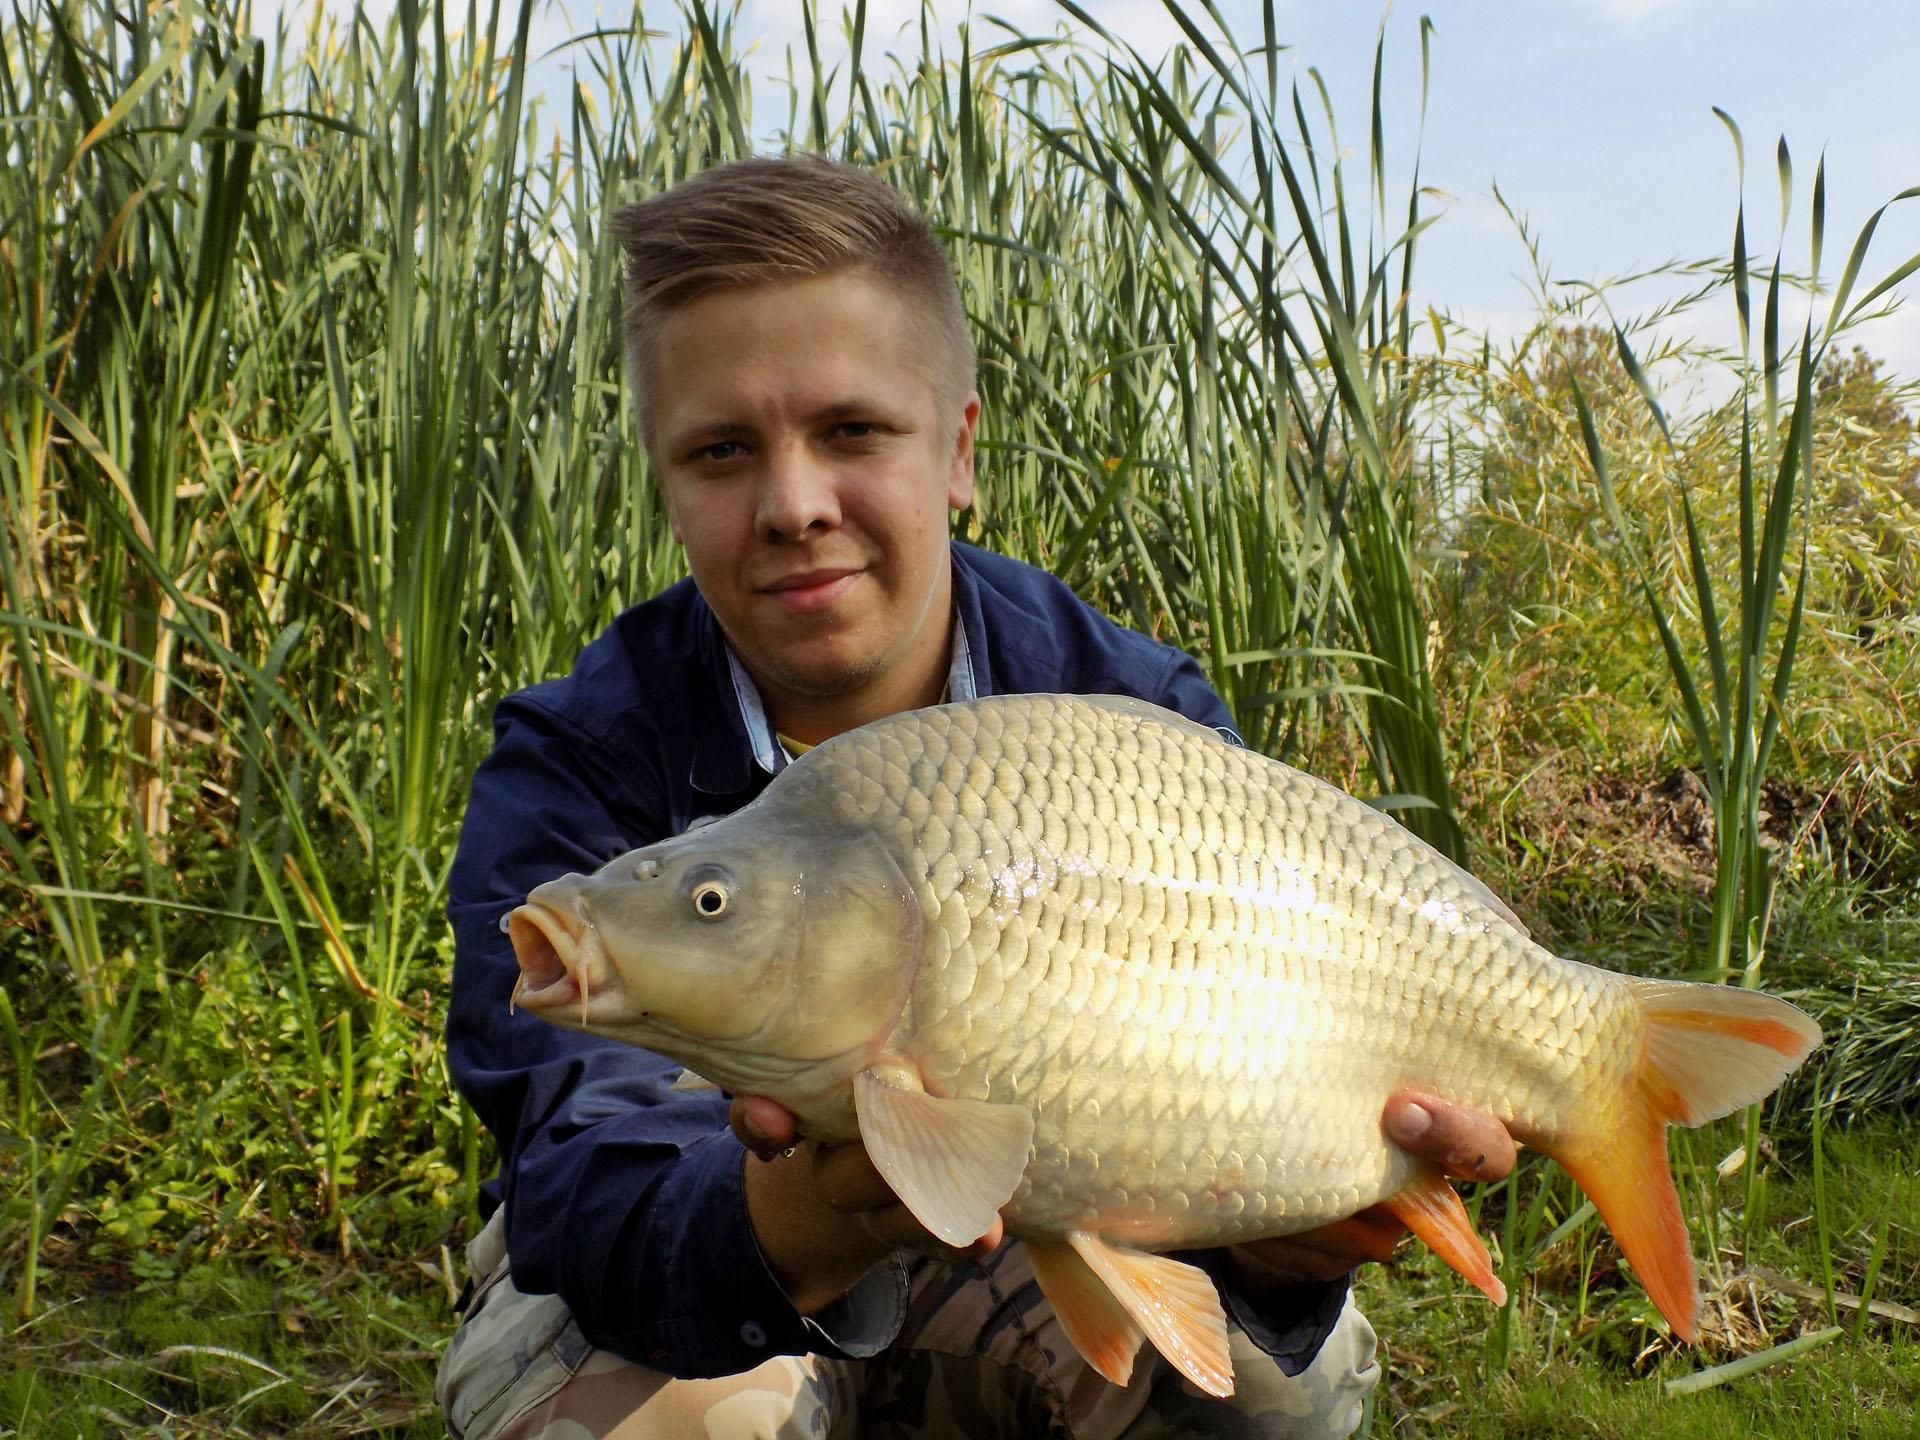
pixel 980 1355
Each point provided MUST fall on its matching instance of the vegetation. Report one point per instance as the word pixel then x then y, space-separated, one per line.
pixel 312 446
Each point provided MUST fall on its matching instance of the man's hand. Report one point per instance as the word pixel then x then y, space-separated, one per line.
pixel 822 1214
pixel 1466 1144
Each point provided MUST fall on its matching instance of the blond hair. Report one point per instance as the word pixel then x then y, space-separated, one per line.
pixel 763 220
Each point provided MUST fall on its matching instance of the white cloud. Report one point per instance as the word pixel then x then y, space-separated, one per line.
pixel 1894 339
pixel 1478 213
pixel 776 26
pixel 1633 12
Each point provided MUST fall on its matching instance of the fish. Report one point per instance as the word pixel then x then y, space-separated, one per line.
pixel 1085 963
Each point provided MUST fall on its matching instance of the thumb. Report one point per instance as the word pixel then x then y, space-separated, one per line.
pixel 764 1126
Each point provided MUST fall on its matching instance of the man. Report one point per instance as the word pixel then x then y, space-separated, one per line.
pixel 682 1266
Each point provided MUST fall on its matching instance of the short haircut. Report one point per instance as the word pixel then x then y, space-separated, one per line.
pixel 763 220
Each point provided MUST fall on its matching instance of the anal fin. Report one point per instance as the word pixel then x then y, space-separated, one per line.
pixel 1091 1314
pixel 1431 1209
pixel 1172 1302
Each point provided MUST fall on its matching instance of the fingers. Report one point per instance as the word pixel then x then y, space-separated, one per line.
pixel 843 1180
pixel 764 1126
pixel 1324 1253
pixel 1467 1144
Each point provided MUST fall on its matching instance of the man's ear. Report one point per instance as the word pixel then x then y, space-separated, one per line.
pixel 960 466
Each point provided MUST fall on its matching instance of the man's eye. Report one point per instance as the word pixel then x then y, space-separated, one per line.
pixel 719 450
pixel 853 429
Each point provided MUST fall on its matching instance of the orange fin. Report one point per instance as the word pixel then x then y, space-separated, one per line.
pixel 1707 1051
pixel 1431 1209
pixel 1711 1049
pixel 1091 1314
pixel 1173 1302
pixel 1625 1174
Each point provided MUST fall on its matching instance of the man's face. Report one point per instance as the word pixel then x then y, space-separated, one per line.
pixel 808 463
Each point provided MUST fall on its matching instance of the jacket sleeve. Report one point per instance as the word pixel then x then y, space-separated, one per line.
pixel 623 1196
pixel 1185 689
pixel 1293 1324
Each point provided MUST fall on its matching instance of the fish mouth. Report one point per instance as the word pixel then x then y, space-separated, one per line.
pixel 559 952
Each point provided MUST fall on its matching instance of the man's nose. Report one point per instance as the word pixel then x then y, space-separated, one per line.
pixel 798 494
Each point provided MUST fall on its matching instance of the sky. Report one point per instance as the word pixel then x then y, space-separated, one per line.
pixel 1593 117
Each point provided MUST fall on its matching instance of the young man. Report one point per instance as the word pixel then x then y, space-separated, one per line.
pixel 679 1266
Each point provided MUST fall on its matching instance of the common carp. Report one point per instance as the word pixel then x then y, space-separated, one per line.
pixel 1086 963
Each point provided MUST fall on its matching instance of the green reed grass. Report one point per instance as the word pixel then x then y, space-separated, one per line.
pixel 313 444
pixel 1736 717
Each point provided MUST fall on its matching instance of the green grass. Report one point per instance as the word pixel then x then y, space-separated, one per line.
pixel 105 1356
pixel 232 1348
pixel 1596 1363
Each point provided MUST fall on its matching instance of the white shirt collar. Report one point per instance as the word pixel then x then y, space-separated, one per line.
pixel 772 757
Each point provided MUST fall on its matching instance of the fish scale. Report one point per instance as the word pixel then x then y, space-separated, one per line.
pixel 1080 961
pixel 1170 895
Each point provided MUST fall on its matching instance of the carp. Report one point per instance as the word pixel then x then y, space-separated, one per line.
pixel 1086 963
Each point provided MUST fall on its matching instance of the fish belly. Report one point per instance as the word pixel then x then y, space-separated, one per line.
pixel 1204 972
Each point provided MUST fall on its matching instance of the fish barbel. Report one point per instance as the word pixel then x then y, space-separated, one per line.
pixel 1083 962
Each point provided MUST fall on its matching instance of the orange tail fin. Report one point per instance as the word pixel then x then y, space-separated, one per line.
pixel 1708 1050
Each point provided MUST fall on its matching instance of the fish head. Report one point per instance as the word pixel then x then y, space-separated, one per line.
pixel 748 949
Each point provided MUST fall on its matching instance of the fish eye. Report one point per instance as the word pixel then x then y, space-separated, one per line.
pixel 709 899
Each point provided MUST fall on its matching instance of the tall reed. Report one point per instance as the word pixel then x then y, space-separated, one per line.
pixel 1736 717
pixel 312 445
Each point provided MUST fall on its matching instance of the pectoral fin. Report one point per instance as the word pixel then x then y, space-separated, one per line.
pixel 953 1163
pixel 1173 1302
pixel 688 1081
pixel 1431 1209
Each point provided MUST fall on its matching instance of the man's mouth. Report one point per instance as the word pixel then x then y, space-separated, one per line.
pixel 810 589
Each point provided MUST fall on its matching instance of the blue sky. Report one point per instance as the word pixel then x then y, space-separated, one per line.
pixel 1595 119
pixel 1593 116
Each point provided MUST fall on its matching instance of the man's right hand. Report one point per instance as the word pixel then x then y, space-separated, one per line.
pixel 822 1213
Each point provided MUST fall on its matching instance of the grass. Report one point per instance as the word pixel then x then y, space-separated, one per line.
pixel 224 1349
pixel 303 1345
pixel 312 445
pixel 1587 1356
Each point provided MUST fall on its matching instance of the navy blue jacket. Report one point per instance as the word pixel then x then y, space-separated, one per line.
pixel 623 1196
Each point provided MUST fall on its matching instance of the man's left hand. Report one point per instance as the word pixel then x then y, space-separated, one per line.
pixel 1466 1144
